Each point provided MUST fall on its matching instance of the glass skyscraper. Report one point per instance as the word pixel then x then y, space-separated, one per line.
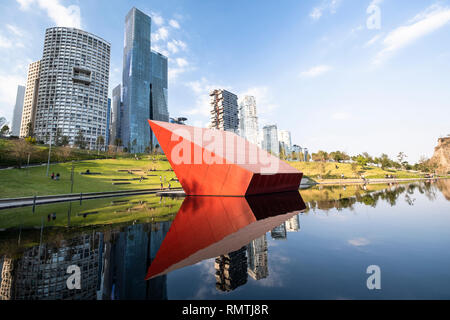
pixel 158 91
pixel 136 79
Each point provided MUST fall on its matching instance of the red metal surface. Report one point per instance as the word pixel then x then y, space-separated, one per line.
pixel 206 227
pixel 240 168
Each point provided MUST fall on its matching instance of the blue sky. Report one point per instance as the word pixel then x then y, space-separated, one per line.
pixel 316 68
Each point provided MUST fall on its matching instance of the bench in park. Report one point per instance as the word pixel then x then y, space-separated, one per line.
pixel 85 214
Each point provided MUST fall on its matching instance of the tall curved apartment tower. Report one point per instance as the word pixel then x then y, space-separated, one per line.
pixel 30 100
pixel 73 86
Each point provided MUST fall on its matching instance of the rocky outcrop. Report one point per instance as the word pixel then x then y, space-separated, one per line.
pixel 441 156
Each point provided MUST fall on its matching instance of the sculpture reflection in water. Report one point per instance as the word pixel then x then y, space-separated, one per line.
pixel 226 228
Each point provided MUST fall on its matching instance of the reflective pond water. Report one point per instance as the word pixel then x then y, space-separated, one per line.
pixel 314 245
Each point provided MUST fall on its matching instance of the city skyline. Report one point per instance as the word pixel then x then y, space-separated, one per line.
pixel 365 89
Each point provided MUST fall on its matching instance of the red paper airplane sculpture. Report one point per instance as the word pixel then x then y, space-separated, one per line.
pixel 206 227
pixel 221 163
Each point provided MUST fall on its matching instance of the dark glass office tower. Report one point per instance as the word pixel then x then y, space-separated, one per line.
pixel 158 93
pixel 136 79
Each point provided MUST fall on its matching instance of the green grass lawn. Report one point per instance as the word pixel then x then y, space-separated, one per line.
pixel 328 170
pixel 33 181
pixel 145 208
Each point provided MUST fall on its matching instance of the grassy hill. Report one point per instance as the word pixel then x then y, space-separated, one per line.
pixel 333 170
pixel 33 180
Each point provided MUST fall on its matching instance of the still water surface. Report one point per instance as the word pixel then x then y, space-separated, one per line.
pixel 316 245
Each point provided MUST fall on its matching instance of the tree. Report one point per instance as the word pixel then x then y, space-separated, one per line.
pixel 21 150
pixel 58 137
pixel 30 131
pixel 79 140
pixel 401 157
pixel 282 152
pixel 301 156
pixel 323 155
pixel 354 168
pixel 64 152
pixel 4 130
pixel 361 160
pixel 100 142
pixel 117 142
pixel 338 156
pixel 64 141
pixel 385 161
pixel 30 140
pixel 368 157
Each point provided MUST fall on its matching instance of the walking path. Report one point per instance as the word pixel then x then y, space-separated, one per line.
pixel 30 201
pixel 372 181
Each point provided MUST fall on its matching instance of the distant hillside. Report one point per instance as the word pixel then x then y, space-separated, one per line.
pixel 441 156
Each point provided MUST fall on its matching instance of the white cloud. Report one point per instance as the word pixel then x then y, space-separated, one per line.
pixel 181 62
pixel 62 16
pixel 5 42
pixel 11 38
pixel 157 19
pixel 375 3
pixel 265 102
pixel 160 35
pixel 160 49
pixel 25 4
pixel 316 13
pixel 174 24
pixel 341 116
pixel 372 41
pixel 359 242
pixel 175 45
pixel 8 91
pixel 432 19
pixel 201 90
pixel 327 5
pixel 178 66
pixel 15 30
pixel 315 71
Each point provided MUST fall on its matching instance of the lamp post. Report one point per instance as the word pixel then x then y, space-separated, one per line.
pixel 51 135
pixel 49 151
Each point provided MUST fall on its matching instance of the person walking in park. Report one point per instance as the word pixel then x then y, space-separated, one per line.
pixel 57 176
pixel 161 185
pixel 53 176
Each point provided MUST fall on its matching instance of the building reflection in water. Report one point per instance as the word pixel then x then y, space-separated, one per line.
pixel 231 270
pixel 115 262
pixel 258 267
pixel 113 265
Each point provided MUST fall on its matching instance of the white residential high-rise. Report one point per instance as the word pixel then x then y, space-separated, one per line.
pixel 30 100
pixel 292 224
pixel 248 120
pixel 73 86
pixel 224 110
pixel 270 139
pixel 257 258
pixel 18 108
pixel 284 137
